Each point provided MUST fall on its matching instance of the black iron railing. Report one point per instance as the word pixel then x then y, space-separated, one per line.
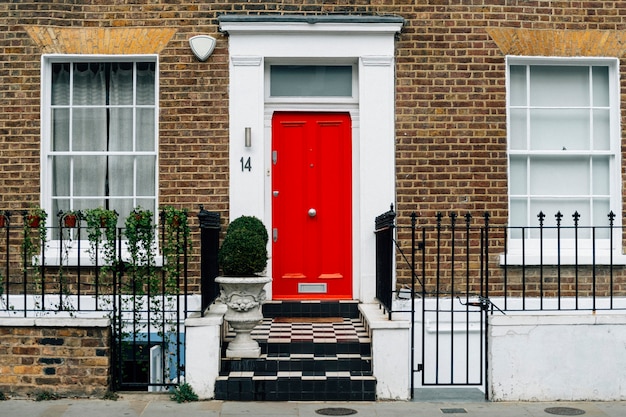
pixel 541 267
pixel 140 281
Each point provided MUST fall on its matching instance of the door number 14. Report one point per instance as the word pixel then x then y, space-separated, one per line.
pixel 246 164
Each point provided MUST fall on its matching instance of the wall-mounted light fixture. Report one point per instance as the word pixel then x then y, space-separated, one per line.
pixel 248 137
pixel 202 46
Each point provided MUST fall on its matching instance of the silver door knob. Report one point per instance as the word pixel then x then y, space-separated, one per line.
pixel 312 212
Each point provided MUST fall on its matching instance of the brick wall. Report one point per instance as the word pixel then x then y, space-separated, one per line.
pixel 450 89
pixel 46 354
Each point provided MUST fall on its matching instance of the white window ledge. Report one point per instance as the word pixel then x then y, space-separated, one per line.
pixel 567 258
pixel 72 257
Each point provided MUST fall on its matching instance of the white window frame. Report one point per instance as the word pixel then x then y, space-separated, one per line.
pixel 344 100
pixel 530 251
pixel 72 256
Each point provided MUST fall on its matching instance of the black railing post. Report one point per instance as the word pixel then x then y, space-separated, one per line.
pixel 384 226
pixel 209 245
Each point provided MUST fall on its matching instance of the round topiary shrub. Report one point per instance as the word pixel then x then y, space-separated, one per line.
pixel 251 224
pixel 244 249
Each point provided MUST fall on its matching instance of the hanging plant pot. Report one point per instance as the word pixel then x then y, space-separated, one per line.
pixel 33 220
pixel 70 220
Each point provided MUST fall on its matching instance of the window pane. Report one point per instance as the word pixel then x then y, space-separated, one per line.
pixel 519 130
pixel 559 176
pixel 89 203
pixel 60 130
pixel 89 129
pixel 145 129
pixel 310 80
pixel 61 175
pixel 89 84
pixel 518 176
pixel 601 176
pixel 519 212
pixel 145 175
pixel 559 129
pixel 145 83
pixel 60 84
pixel 121 175
pixel 148 204
pixel 121 83
pixel 121 130
pixel 601 130
pixel 567 207
pixel 123 206
pixel 89 175
pixel 559 86
pixel 518 85
pixel 600 86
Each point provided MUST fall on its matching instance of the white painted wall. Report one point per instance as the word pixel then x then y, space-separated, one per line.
pixel 532 356
pixel 557 357
pixel 390 349
pixel 203 347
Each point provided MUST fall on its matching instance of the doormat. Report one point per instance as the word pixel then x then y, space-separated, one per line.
pixel 308 320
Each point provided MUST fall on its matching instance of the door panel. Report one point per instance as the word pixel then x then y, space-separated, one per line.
pixel 311 206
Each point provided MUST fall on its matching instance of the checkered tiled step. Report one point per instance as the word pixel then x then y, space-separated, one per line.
pixel 303 360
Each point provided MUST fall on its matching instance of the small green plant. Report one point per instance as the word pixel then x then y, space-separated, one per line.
pixel 101 233
pixel 176 239
pixel 35 238
pixel 244 249
pixel 184 393
pixel 46 396
pixel 111 396
pixel 3 397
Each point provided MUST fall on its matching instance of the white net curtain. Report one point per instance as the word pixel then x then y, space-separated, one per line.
pixel 103 138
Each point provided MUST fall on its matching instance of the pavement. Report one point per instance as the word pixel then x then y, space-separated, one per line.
pixel 160 405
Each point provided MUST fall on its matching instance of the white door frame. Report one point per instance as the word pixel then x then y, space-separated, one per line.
pixel 369 41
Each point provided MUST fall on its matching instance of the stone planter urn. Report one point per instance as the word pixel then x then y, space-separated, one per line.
pixel 243 296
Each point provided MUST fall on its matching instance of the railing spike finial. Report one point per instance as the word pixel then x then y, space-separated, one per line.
pixel 541 216
pixel 558 216
pixel 468 218
pixel 576 217
pixel 611 217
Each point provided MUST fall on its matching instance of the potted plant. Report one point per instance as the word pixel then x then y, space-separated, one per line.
pixel 70 218
pixel 243 259
pixel 35 217
pixel 33 243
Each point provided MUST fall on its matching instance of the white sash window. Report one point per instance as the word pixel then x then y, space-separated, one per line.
pixel 564 155
pixel 99 129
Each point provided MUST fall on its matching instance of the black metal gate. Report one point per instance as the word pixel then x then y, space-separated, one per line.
pixel 449 288
pixel 454 301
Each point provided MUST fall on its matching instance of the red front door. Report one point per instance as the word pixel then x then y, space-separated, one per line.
pixel 311 206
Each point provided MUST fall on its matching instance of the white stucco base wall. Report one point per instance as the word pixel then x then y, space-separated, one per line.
pixel 557 357
pixel 203 350
pixel 390 353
